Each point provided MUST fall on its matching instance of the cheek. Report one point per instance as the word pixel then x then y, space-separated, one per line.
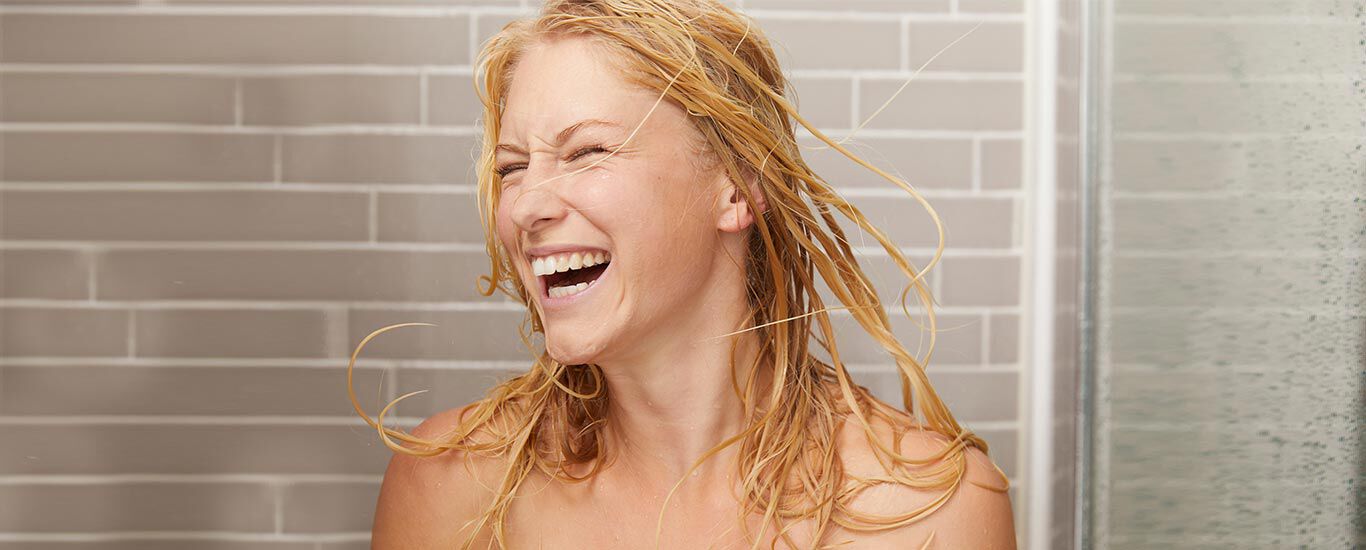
pixel 504 227
pixel 599 193
pixel 668 228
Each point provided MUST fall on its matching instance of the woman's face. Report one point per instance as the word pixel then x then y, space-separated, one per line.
pixel 649 210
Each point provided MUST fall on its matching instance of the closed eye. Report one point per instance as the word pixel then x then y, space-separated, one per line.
pixel 587 151
pixel 505 170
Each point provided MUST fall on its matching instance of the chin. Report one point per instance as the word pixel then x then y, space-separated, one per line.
pixel 572 349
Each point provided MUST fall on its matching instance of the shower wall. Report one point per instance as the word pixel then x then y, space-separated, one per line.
pixel 207 203
pixel 1231 349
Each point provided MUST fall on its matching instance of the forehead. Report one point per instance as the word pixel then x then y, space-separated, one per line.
pixel 563 81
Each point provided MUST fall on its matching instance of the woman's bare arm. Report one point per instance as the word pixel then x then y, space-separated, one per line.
pixel 974 516
pixel 430 502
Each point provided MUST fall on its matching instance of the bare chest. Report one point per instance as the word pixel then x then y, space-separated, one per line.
pixel 596 517
pixel 599 518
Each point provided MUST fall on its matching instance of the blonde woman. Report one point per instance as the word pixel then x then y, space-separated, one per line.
pixel 645 199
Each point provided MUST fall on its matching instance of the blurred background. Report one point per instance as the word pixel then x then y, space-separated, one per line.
pixel 1151 297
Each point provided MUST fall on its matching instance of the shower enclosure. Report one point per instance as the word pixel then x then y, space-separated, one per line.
pixel 1220 152
pixel 1152 290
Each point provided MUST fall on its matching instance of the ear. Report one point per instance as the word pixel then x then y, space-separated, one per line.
pixel 737 213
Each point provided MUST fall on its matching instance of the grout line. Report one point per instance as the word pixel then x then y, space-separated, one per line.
pixel 947 368
pixel 193 420
pixel 239 70
pixel 977 169
pixel 416 12
pixel 250 71
pixel 112 479
pixel 1002 425
pixel 237 114
pixel 277 158
pixel 262 305
pixel 372 212
pixel 1017 227
pixel 278 496
pixel 191 187
pixel 986 338
pixel 870 251
pixel 902 75
pixel 255 246
pixel 391 374
pixel 423 83
pixel 92 258
pixel 277 70
pixel 855 103
pixel 267 305
pixel 448 131
pixel 365 363
pixel 336 332
pixel 937 280
pixel 472 36
pixel 231 536
pixel 394 365
pixel 416 306
pixel 953 17
pixel 132 339
pixel 471 189
pixel 412 12
pixel 905 44
pixel 219 129
pixel 917 134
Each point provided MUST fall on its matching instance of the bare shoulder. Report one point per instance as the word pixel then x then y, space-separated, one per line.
pixel 977 514
pixel 426 502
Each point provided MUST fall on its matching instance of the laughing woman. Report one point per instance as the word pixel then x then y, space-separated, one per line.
pixel 645 198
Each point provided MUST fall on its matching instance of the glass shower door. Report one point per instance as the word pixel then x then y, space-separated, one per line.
pixel 1229 367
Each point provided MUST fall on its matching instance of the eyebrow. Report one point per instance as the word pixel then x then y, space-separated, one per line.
pixel 563 135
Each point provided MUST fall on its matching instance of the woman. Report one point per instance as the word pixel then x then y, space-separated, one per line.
pixel 644 197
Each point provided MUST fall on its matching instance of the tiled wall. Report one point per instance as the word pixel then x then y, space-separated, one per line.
pixel 1232 354
pixel 206 205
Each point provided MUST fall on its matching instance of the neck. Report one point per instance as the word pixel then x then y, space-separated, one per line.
pixel 672 404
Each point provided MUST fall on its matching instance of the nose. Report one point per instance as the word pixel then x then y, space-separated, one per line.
pixel 537 200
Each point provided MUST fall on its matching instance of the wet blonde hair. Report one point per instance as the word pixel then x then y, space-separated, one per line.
pixel 717 65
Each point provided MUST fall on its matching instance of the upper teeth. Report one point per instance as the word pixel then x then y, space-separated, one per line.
pixel 564 262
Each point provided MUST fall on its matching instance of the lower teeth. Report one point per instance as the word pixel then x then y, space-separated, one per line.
pixel 562 291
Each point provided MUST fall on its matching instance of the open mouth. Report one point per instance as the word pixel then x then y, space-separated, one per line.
pixel 572 281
